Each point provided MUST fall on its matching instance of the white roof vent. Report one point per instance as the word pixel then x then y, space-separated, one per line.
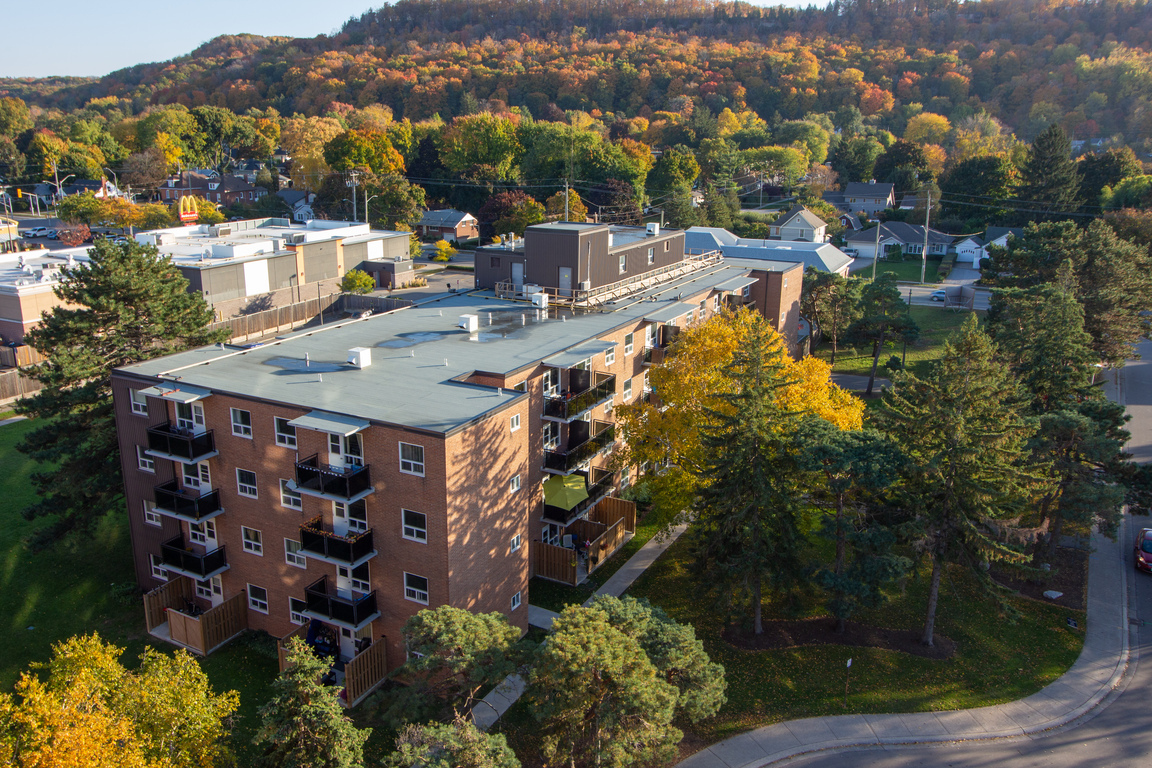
pixel 360 357
pixel 653 229
pixel 470 323
pixel 540 300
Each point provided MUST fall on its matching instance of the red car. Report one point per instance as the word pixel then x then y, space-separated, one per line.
pixel 1143 550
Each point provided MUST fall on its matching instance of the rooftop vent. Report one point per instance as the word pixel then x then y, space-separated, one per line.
pixel 540 300
pixel 360 357
pixel 470 323
pixel 653 229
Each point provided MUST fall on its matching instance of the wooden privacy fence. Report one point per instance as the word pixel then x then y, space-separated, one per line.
pixel 366 671
pixel 173 594
pixel 282 647
pixel 610 509
pixel 224 622
pixel 289 316
pixel 16 357
pixel 15 385
pixel 201 634
pixel 603 547
pixel 555 563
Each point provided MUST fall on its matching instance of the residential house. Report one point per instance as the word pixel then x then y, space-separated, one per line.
pixel 969 250
pixel 871 198
pixel 799 223
pixel 899 236
pixel 300 202
pixel 850 222
pixel 449 224
pixel 822 256
pixel 222 190
pixel 335 482
pixel 998 236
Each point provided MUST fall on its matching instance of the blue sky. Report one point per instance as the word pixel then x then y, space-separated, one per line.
pixel 86 37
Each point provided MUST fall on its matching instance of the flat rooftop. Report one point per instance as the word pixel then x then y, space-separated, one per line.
pixel 419 355
pixel 39 270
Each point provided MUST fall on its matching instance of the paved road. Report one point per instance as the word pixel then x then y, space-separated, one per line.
pixel 920 295
pixel 1120 734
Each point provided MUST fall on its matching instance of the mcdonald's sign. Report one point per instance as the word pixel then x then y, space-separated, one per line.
pixel 188 212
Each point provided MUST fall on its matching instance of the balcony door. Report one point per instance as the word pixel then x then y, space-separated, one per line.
pixel 203 534
pixel 349 518
pixel 196 476
pixel 190 416
pixel 211 589
pixel 345 451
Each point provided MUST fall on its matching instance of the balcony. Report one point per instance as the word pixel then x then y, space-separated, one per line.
pixel 186 504
pixel 348 612
pixel 654 355
pixel 314 478
pixel 600 483
pixel 580 448
pixel 568 406
pixel 178 559
pixel 168 442
pixel 651 398
pixel 322 544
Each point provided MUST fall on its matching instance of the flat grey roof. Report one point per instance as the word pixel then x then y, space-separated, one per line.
pixel 669 312
pixel 736 284
pixel 571 357
pixel 333 423
pixel 419 355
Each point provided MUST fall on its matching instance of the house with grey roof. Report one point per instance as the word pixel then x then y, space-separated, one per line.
pixel 899 236
pixel 799 223
pixel 822 256
pixel 449 224
pixel 870 197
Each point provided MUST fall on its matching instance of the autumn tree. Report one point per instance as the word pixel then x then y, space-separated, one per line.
pixel 481 146
pixel 675 168
pixel 364 149
pixel 304 725
pixel 15 117
pixel 928 128
pixel 304 138
pixel 126 304
pixel 566 206
pixel 357 281
pixel 968 474
pixel 523 214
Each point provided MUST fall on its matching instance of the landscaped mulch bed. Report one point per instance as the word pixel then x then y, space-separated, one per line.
pixel 1069 575
pixel 822 631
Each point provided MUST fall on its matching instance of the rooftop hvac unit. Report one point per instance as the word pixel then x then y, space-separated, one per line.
pixel 531 288
pixel 653 229
pixel 540 300
pixel 221 230
pixel 470 323
pixel 298 238
pixel 360 357
pixel 585 285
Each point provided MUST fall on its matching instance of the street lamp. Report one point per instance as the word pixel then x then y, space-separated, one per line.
pixel 366 201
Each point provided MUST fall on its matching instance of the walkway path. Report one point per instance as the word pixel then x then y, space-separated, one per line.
pixel 1093 677
pixel 503 696
pixel 12 420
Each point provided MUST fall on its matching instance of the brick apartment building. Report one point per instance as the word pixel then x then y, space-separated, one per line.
pixel 337 481
pixel 222 190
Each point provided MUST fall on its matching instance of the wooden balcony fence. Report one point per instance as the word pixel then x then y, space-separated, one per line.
pixel 607 527
pixel 287 317
pixel 173 594
pixel 282 646
pixel 19 356
pixel 610 509
pixel 366 671
pixel 555 563
pixel 200 634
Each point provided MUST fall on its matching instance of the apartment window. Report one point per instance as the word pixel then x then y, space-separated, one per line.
pixel 412 459
pixel 703 308
pixel 716 303
pixel 515 601
pixel 514 484
pixel 157 567
pixel 257 598
pixel 139 402
pixel 690 317
pixel 288 497
pixel 196 475
pixel 610 357
pixel 190 416
pixel 627 390
pixel 358 577
pixel 623 264
pixel 785 282
pixel 551 382
pixel 782 316
pixel 416 588
pixel 625 474
pixel 292 554
pixel 747 291
pixel 666 246
pixel 514 422
pixel 253 543
pixel 210 589
pixel 356 514
pixel 629 342
pixel 647 387
pixel 202 533
pixel 551 435
pixel 415 526
pixel 515 547
pixel 246 483
pixel 241 423
pixel 651 256
pixel 296 611
pixel 285 433
pixel 144 462
pixel 521 387
pixel 150 515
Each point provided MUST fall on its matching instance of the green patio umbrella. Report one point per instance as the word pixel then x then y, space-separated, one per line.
pixel 564 491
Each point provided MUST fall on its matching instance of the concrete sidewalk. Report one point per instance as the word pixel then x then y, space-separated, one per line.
pixel 1093 677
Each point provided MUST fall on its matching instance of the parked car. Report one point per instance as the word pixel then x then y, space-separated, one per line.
pixel 939 295
pixel 35 232
pixel 1143 550
pixel 52 235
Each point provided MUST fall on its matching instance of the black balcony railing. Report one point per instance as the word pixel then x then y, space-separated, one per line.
pixel 316 540
pixel 600 484
pixel 342 482
pixel 602 435
pixel 186 504
pixel 180 444
pixel 354 612
pixel 177 557
pixel 572 404
pixel 654 355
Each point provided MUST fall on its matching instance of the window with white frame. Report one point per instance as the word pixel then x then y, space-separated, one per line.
pixel 785 282
pixel 416 588
pixel 412 459
pixel 144 462
pixel 210 588
pixel 296 608
pixel 196 475
pixel 285 433
pixel 625 474
pixel 139 402
pixel 292 554
pixel 358 577
pixel 623 264
pixel 415 526
pixel 151 517
pixel 627 390
pixel 514 484
pixel 716 303
pixel 747 291
pixel 241 423
pixel 253 541
pixel 651 256
pixel 629 343
pixel 514 422
pixel 647 386
pixel 521 387
pixel 610 357
pixel 666 246
pixel 551 382
pixel 515 601
pixel 257 598
pixel 202 533
pixel 703 308
pixel 551 435
pixel 690 317
pixel 515 546
pixel 157 568
pixel 288 497
pixel 190 416
pixel 246 483
pixel 783 315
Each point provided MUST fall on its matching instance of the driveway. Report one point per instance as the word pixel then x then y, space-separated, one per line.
pixel 962 276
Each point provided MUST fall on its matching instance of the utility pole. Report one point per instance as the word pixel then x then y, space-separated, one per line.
pixel 565 199
pixel 924 255
pixel 354 176
pixel 876 251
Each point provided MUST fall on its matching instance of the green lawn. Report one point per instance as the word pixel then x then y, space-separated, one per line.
pixel 86 584
pixel 906 271
pixel 936 325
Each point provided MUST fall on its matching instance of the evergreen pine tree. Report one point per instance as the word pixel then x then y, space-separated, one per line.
pixel 747 533
pixel 304 726
pixel 883 316
pixel 1049 179
pixel 968 473
pixel 127 304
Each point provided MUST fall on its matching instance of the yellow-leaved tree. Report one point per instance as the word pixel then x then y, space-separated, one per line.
pixel 666 433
